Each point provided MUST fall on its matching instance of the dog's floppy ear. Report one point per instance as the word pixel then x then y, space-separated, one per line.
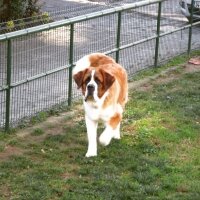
pixel 78 78
pixel 108 79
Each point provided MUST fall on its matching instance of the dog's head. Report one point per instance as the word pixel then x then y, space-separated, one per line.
pixel 94 82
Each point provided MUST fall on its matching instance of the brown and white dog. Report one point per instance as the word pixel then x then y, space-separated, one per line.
pixel 105 92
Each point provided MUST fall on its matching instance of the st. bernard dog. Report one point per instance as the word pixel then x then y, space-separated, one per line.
pixel 105 92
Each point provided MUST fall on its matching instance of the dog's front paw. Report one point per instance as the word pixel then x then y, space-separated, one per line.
pixel 90 154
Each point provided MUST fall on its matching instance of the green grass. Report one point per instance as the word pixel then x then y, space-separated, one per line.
pixel 157 157
pixel 37 131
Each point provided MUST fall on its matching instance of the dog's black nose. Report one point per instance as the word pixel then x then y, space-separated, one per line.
pixel 90 91
pixel 90 87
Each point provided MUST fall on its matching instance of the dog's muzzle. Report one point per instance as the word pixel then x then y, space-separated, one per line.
pixel 90 92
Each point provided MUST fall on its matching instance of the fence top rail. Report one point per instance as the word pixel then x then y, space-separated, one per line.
pixel 73 20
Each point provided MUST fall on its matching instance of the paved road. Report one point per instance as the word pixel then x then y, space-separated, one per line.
pixel 63 9
pixel 46 51
pixel 52 5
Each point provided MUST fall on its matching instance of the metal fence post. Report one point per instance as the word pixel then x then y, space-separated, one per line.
pixel 71 51
pixel 118 36
pixel 158 34
pixel 8 82
pixel 190 29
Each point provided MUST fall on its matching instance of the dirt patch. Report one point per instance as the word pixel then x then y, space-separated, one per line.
pixel 195 60
pixel 6 192
pixel 144 88
pixel 191 68
pixel 193 65
pixel 10 151
pixel 166 79
pixel 53 125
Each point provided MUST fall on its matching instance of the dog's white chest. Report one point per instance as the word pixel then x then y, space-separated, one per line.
pixel 96 112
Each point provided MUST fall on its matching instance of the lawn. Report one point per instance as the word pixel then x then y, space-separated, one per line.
pixel 158 156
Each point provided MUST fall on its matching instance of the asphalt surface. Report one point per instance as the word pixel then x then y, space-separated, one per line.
pixel 46 51
pixel 52 5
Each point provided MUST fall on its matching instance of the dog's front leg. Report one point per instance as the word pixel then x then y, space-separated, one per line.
pixel 92 137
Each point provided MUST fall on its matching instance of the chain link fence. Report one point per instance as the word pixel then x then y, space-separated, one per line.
pixel 36 63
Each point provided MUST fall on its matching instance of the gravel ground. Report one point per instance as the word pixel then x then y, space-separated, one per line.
pixel 42 52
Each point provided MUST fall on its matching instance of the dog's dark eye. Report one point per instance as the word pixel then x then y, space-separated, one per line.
pixel 97 81
pixel 87 80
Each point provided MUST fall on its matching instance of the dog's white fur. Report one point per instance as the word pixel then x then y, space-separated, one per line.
pixel 96 109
